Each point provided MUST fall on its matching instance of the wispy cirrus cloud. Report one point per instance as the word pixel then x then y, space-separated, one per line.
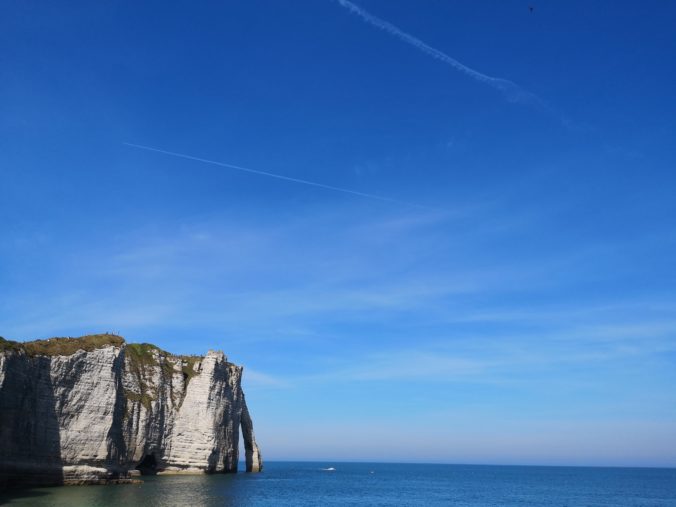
pixel 512 91
pixel 221 273
pixel 276 176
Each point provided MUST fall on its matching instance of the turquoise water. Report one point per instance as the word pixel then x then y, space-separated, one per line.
pixel 373 484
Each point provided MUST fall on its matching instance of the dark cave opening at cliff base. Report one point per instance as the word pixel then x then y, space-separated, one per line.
pixel 148 465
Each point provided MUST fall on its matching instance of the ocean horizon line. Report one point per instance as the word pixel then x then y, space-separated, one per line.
pixel 444 463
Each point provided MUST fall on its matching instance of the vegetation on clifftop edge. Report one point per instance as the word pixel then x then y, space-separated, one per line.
pixel 143 356
pixel 140 355
pixel 188 368
pixel 62 346
pixel 9 345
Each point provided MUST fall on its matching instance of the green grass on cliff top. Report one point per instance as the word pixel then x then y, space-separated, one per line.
pixel 62 346
pixel 141 354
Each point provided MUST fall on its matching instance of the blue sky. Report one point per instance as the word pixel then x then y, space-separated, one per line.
pixel 515 301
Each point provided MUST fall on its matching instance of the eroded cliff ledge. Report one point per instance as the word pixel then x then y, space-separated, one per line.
pixel 97 410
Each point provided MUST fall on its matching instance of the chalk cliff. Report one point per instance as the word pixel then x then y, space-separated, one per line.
pixel 97 410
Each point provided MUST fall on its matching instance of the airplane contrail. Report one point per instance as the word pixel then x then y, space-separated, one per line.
pixel 512 91
pixel 278 176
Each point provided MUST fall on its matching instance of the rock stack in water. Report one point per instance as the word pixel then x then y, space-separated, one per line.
pixel 95 410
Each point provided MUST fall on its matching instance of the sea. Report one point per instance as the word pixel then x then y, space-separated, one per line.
pixel 378 484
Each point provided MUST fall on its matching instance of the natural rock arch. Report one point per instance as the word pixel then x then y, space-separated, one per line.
pixel 254 462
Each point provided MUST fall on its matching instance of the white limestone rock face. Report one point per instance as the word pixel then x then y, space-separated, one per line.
pixel 99 415
pixel 254 460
